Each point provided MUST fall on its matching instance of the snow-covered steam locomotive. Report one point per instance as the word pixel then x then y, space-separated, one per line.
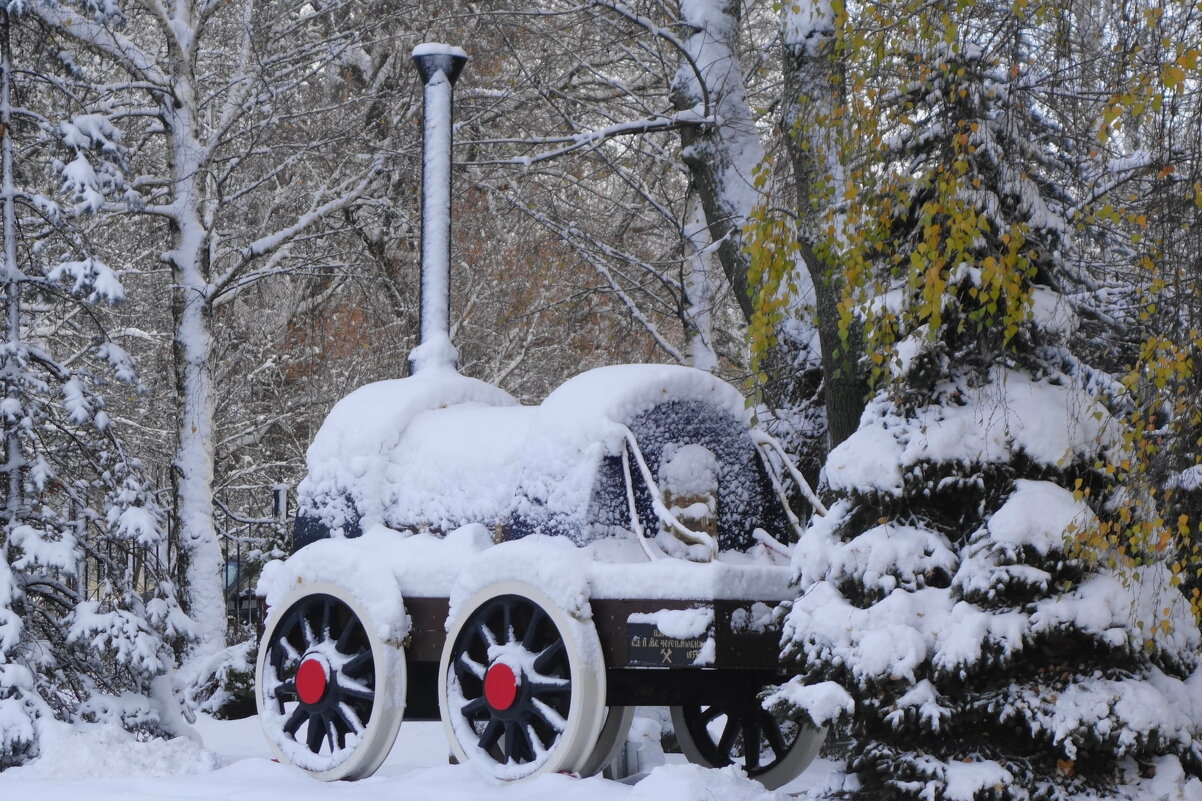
pixel 528 574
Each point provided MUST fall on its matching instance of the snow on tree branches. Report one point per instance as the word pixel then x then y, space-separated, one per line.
pixel 976 606
pixel 86 613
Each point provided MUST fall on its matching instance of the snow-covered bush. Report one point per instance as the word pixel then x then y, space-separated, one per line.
pixel 975 607
pixel 223 684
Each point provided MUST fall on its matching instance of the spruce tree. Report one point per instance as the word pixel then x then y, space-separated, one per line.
pixel 84 615
pixel 981 608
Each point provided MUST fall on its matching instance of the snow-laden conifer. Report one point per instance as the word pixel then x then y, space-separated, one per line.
pixel 977 608
pixel 85 614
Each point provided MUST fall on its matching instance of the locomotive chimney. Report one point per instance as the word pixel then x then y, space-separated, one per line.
pixel 439 65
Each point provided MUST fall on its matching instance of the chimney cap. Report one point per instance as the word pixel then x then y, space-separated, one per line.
pixel 434 57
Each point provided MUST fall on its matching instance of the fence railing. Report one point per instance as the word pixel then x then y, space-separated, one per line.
pixel 246 542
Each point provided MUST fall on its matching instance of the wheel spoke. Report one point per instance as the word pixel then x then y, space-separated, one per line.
pixel 549 686
pixel 507 622
pixel 466 665
pixel 298 716
pixel 315 734
pixel 284 654
pixel 307 632
pixel 346 635
pixel 296 634
pixel 705 716
pixel 551 717
pixel 287 688
pixel 526 742
pixel 486 635
pixel 512 728
pixel 356 691
pixel 542 732
pixel 773 734
pixel 326 610
pixel 474 707
pixel 751 742
pixel 537 616
pixel 727 741
pixel 356 663
pixel 535 740
pixel 548 656
pixel 346 713
pixel 335 736
pixel 492 732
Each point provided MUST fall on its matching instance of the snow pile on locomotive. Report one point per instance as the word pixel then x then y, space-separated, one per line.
pixel 438 451
pixel 529 574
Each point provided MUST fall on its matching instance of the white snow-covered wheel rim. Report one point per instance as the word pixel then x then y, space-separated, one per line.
pixel 521 684
pixel 718 735
pixel 610 741
pixel 329 690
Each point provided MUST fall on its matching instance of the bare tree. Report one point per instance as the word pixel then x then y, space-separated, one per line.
pixel 219 101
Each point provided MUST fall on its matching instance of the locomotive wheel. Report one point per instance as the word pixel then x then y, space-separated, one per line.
pixel 521 684
pixel 772 751
pixel 330 691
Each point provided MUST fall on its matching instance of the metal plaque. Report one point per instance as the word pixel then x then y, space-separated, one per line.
pixel 647 645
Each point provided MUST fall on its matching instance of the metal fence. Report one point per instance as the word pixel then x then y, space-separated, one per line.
pixel 246 543
pixel 248 539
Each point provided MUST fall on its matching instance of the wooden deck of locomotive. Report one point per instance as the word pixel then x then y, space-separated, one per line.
pixel 643 666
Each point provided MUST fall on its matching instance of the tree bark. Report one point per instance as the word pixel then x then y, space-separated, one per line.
pixel 192 348
pixel 812 94
pixel 719 157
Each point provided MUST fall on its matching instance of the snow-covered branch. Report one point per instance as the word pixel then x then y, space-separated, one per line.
pixel 591 138
pixel 266 244
pixel 103 40
pixel 663 33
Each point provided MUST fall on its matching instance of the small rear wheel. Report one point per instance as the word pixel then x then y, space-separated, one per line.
pixel 521 685
pixel 771 750
pixel 329 690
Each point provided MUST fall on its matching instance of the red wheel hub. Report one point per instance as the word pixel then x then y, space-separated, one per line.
pixel 500 686
pixel 311 681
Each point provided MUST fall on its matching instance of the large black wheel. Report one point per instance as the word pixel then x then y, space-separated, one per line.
pixel 771 750
pixel 521 684
pixel 330 692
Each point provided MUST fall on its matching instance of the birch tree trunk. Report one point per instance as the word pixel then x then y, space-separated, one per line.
pixel 811 95
pixel 697 302
pixel 720 157
pixel 12 273
pixel 19 735
pixel 192 343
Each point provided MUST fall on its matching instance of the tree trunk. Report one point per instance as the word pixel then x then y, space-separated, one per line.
pixel 697 303
pixel 721 157
pixel 12 285
pixel 192 348
pixel 192 474
pixel 812 95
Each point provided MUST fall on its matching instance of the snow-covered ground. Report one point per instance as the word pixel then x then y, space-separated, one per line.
pixel 233 764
